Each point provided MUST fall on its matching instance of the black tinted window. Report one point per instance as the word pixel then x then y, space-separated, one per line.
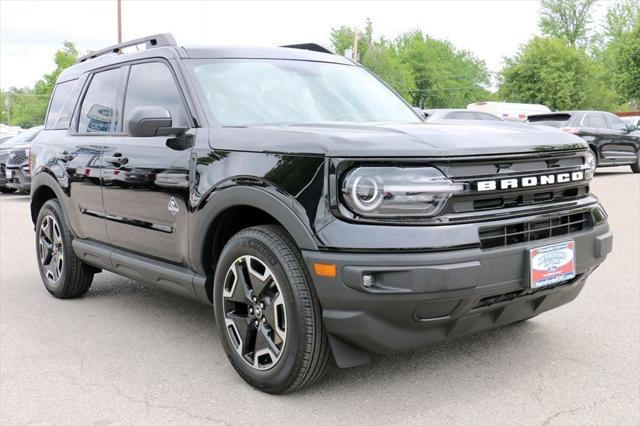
pixel 152 84
pixel 595 120
pixel 62 103
pixel 460 115
pixel 99 113
pixel 487 117
pixel 615 123
pixel 553 120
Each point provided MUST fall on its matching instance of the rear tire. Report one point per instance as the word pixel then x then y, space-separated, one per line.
pixel 6 190
pixel 636 166
pixel 62 273
pixel 264 264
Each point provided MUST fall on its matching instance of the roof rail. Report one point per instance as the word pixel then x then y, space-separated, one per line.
pixel 310 46
pixel 157 40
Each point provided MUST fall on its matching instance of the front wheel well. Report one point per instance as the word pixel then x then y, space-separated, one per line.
pixel 38 198
pixel 228 223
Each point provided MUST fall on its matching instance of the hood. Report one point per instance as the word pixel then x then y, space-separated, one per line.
pixel 396 140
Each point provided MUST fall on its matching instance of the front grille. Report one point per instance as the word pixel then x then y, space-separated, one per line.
pixel 504 168
pixel 17 157
pixel 516 233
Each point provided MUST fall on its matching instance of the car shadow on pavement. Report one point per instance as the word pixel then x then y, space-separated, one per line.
pixel 490 353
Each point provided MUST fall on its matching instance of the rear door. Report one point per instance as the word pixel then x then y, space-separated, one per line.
pixel 624 145
pixel 594 129
pixel 80 150
pixel 146 179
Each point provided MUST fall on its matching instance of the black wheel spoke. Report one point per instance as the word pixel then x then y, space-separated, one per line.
pixel 254 312
pixel 243 285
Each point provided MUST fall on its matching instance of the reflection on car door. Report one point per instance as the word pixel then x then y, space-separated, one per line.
pixel 623 146
pixel 146 184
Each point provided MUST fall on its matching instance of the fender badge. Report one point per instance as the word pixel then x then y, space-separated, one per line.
pixel 173 206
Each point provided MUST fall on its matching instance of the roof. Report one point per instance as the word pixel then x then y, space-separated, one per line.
pixel 168 50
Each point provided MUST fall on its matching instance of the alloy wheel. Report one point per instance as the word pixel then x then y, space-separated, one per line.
pixel 50 248
pixel 254 312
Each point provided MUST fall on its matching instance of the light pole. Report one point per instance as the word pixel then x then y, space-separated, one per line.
pixel 119 21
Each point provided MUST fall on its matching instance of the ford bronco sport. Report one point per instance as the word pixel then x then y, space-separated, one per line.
pixel 307 202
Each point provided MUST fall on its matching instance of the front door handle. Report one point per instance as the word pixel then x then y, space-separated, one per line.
pixel 117 159
pixel 64 156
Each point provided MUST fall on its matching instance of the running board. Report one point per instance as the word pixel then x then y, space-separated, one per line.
pixel 173 278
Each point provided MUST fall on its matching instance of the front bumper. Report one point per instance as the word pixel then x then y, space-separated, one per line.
pixel 423 298
pixel 20 178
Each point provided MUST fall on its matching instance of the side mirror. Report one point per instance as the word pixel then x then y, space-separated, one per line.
pixel 420 112
pixel 148 121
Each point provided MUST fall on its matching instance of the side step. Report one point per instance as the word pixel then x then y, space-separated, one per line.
pixel 170 277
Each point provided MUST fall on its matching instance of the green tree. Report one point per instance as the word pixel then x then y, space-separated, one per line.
pixel 627 69
pixel 444 76
pixel 567 19
pixel 550 72
pixel 342 39
pixel 28 107
pixel 620 19
pixel 382 58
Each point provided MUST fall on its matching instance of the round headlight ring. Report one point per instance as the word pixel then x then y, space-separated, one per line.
pixel 366 193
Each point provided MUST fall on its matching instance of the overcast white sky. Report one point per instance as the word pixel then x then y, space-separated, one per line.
pixel 31 31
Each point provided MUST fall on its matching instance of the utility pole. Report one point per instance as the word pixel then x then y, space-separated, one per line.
pixel 119 21
pixel 354 49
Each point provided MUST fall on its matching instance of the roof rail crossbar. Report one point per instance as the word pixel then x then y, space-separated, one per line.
pixel 157 40
pixel 309 46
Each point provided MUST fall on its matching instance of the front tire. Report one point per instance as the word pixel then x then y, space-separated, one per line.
pixel 268 314
pixel 62 273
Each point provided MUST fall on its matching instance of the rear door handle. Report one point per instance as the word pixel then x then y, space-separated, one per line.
pixel 117 159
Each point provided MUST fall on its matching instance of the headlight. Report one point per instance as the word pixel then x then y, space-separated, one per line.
pixel 397 191
pixel 590 163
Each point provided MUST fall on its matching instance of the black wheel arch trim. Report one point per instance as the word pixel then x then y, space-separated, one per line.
pixel 239 196
pixel 45 181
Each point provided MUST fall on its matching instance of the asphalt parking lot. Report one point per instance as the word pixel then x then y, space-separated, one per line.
pixel 130 354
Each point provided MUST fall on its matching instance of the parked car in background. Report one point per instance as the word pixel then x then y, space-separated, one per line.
pixel 614 142
pixel 509 111
pixel 14 161
pixel 458 114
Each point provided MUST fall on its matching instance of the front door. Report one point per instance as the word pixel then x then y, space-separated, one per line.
pixel 146 179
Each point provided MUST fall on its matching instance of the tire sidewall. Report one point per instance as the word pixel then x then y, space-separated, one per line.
pixel 279 377
pixel 52 207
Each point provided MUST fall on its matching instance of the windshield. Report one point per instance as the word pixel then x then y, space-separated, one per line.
pixel 246 92
pixel 22 137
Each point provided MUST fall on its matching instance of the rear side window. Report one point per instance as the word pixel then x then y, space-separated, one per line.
pixel 152 84
pixel 615 123
pixel 553 120
pixel 62 104
pixel 595 120
pixel 486 117
pixel 460 115
pixel 99 112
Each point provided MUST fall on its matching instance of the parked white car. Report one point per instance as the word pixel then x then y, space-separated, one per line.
pixel 509 111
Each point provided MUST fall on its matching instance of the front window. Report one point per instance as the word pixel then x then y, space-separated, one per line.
pixel 249 92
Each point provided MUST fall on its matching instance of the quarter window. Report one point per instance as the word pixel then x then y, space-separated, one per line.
pixel 595 120
pixel 99 112
pixel 615 123
pixel 62 105
pixel 152 84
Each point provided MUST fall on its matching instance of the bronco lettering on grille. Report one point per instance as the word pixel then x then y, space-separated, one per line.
pixel 529 181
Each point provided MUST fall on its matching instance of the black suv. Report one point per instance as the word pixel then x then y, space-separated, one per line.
pixel 613 142
pixel 307 202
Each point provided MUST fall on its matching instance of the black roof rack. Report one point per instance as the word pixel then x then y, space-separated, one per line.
pixel 309 46
pixel 158 40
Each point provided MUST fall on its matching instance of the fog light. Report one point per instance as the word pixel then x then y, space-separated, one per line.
pixel 368 281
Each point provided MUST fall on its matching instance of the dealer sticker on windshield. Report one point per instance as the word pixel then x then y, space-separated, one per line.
pixel 552 264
